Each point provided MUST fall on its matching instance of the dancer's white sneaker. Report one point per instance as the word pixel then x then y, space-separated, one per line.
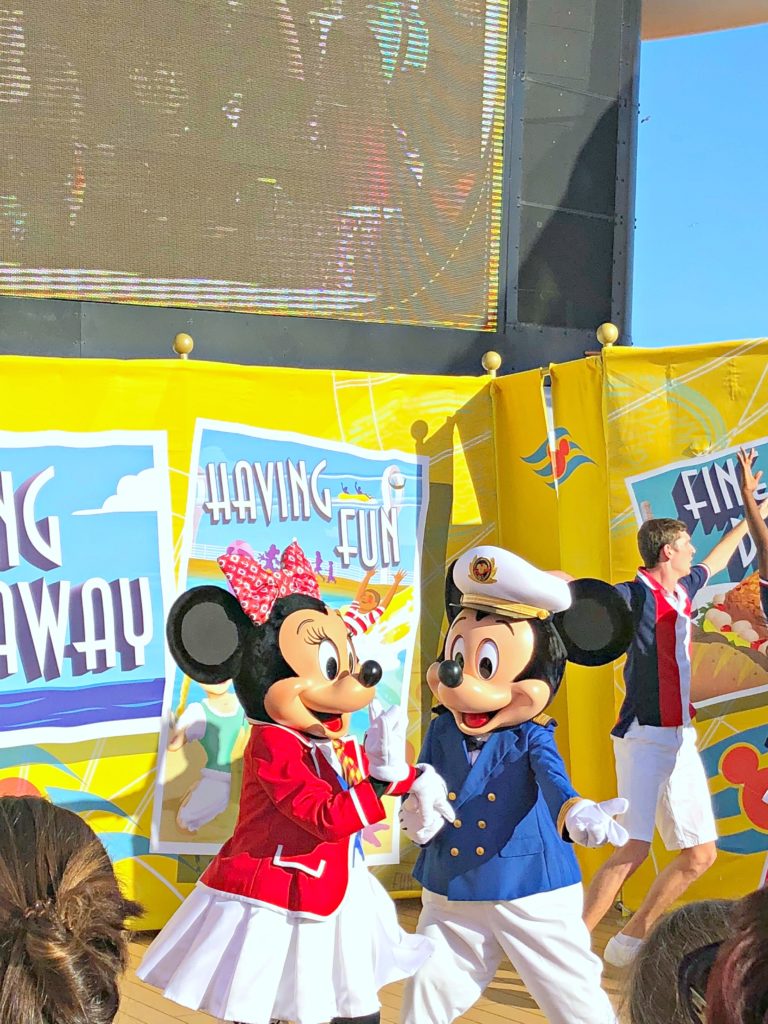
pixel 621 950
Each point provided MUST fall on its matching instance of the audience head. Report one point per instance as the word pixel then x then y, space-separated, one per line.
pixel 737 990
pixel 651 994
pixel 63 939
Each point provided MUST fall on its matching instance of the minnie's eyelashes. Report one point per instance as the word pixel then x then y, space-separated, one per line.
pixel 316 636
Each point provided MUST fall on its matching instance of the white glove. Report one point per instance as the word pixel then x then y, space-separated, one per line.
pixel 592 824
pixel 385 744
pixel 420 830
pixel 431 792
pixel 427 808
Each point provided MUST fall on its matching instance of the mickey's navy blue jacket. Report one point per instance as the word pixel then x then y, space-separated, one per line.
pixel 505 842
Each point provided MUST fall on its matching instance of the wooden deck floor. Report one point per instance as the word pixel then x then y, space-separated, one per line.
pixel 505 1002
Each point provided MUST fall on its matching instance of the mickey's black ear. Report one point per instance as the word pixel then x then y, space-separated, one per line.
pixel 597 628
pixel 206 628
pixel 452 594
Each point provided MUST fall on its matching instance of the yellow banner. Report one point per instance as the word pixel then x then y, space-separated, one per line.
pixel 88 415
pixel 526 477
pixel 527 491
pixel 630 434
pixel 673 421
pixel 579 458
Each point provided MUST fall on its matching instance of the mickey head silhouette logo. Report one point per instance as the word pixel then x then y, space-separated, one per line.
pixel 741 766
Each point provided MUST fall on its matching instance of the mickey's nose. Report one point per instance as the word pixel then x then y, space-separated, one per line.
pixel 370 673
pixel 450 674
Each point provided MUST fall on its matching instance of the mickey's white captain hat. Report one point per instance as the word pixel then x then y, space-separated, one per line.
pixel 491 579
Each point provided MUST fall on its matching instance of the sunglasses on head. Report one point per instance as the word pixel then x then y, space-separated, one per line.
pixel 692 978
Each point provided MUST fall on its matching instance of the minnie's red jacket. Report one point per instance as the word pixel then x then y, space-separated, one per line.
pixel 293 841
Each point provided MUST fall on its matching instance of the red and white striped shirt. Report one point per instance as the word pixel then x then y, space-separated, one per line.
pixel 360 622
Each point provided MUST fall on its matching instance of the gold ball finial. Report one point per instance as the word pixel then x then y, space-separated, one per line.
pixel 183 345
pixel 491 362
pixel 607 334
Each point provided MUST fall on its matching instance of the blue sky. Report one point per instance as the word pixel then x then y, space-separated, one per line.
pixel 701 244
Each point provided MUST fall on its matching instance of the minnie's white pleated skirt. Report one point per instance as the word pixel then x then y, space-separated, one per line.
pixel 243 962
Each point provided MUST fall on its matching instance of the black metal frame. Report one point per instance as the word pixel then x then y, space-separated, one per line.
pixel 55 327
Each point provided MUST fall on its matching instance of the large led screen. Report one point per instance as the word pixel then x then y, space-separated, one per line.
pixel 315 157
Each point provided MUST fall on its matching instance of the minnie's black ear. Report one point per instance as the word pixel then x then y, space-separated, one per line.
pixel 452 594
pixel 598 627
pixel 206 628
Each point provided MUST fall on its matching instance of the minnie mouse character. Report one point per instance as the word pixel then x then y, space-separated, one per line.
pixel 504 879
pixel 286 921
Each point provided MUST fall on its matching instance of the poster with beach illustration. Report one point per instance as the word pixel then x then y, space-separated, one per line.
pixel 86 567
pixel 359 517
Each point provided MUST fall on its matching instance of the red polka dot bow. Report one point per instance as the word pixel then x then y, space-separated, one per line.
pixel 257 588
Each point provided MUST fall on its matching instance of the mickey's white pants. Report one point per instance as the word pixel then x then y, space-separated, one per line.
pixel 543 936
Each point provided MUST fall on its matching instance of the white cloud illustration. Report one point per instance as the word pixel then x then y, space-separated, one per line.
pixel 140 493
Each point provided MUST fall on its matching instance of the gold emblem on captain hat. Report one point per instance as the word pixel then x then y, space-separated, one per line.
pixel 482 569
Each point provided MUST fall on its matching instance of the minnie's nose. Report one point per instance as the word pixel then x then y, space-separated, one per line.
pixel 370 673
pixel 450 674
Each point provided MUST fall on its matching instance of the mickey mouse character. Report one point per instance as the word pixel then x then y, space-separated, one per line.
pixel 286 921
pixel 504 878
